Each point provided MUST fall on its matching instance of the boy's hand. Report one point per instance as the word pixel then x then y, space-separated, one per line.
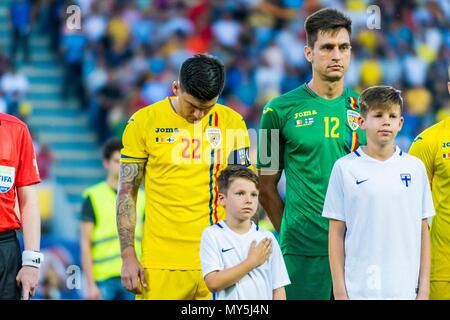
pixel 258 254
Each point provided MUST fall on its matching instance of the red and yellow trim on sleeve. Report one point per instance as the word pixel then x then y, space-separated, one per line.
pixel 351 103
pixel 213 120
pixel 213 187
pixel 354 141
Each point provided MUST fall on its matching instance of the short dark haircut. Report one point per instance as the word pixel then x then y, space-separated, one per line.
pixel 110 146
pixel 379 97
pixel 325 20
pixel 231 173
pixel 202 76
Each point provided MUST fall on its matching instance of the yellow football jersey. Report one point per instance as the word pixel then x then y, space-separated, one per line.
pixel 183 161
pixel 433 147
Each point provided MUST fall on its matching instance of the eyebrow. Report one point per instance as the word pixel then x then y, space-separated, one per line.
pixel 196 107
pixel 327 44
pixel 385 110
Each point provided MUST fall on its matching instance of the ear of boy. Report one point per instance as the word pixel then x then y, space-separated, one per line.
pixel 361 122
pixel 222 199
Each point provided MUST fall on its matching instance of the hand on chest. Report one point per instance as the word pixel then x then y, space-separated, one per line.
pixel 234 250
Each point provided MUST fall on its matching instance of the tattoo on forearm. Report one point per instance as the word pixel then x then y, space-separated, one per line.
pixel 129 181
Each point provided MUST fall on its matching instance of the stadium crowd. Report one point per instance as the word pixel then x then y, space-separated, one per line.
pixel 128 53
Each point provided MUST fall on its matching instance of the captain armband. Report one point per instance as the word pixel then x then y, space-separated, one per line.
pixel 240 157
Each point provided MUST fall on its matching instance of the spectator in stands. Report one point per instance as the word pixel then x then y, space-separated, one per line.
pixel 3 104
pixel 20 14
pixel 249 35
pixel 72 49
pixel 14 85
pixel 107 98
pixel 44 158
pixel 55 8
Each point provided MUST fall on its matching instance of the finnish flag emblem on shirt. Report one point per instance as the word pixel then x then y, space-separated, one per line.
pixel 406 179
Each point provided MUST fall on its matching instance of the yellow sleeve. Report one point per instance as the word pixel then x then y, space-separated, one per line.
pixel 424 148
pixel 134 146
pixel 245 142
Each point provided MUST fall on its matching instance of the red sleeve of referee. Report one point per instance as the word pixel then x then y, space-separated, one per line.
pixel 27 171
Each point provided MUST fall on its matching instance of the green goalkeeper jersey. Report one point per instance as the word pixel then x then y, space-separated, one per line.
pixel 304 135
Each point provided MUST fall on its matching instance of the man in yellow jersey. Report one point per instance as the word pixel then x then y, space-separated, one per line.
pixel 433 147
pixel 179 146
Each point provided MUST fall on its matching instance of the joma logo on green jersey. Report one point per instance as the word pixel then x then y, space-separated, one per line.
pixel 305 114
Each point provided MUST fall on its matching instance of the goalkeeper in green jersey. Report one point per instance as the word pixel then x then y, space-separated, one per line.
pixel 303 132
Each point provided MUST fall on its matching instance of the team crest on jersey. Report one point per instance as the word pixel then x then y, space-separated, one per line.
pixel 352 119
pixel 214 137
pixel 406 179
pixel 7 175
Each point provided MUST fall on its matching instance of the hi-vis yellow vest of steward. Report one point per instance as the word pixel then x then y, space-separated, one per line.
pixel 106 258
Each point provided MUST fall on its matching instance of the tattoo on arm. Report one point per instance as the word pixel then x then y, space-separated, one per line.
pixel 130 178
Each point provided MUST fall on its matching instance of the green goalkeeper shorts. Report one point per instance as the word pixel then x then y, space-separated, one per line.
pixel 310 277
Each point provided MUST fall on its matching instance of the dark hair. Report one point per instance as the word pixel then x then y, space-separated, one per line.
pixel 230 173
pixel 111 146
pixel 325 20
pixel 379 97
pixel 202 76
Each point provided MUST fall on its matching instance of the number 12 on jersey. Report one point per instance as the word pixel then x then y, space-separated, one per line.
pixel 333 124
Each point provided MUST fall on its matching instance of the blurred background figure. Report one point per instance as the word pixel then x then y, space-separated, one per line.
pixel 15 85
pixel 60 273
pixel 20 12
pixel 100 247
pixel 73 43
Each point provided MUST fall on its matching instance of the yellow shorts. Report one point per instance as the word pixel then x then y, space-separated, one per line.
pixel 439 290
pixel 174 285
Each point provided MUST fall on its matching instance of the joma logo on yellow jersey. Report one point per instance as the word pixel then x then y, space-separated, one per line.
pixel 166 130
pixel 305 114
